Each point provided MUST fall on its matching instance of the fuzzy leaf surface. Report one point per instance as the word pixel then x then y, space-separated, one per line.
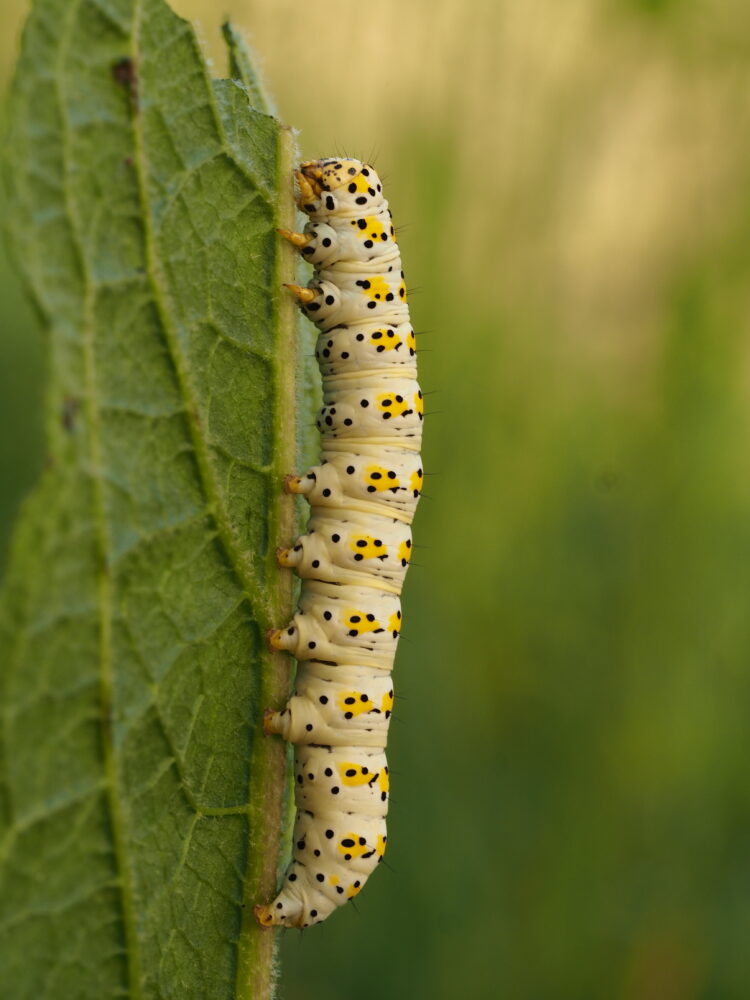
pixel 139 804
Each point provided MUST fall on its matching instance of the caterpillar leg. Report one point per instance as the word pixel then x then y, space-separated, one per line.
pixel 299 240
pixel 273 722
pixel 324 477
pixel 297 484
pixel 288 558
pixel 309 189
pixel 275 639
pixel 304 295
pixel 297 635
pixel 289 722
pixel 264 915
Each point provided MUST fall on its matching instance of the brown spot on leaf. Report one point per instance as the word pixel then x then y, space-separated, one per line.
pixel 124 73
pixel 69 412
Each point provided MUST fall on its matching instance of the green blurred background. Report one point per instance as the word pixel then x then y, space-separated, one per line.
pixel 571 808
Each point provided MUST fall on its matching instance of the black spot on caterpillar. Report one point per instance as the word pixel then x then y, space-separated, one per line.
pixel 355 554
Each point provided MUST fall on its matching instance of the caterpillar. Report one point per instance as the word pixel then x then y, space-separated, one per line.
pixel 353 558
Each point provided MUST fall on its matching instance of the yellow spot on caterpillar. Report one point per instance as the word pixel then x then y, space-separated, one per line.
pixel 354 703
pixel 385 340
pixel 415 481
pixel 404 550
pixel 353 846
pixel 394 622
pixel 402 291
pixel 378 478
pixel 367 547
pixel 419 403
pixel 373 229
pixel 380 846
pixel 374 288
pixel 362 183
pixel 393 404
pixel 359 623
pixel 352 890
pixel 334 879
pixel 356 774
pixel 387 703
pixel 384 780
pixel 411 341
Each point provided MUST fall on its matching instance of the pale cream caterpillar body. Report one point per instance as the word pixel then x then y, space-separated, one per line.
pixel 353 558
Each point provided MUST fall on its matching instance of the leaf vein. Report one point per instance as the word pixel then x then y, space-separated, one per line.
pixel 104 584
pixel 240 562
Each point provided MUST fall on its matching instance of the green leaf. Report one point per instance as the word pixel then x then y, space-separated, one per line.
pixel 140 805
pixel 241 68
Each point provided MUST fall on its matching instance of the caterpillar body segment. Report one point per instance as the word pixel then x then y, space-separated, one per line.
pixel 354 555
pixel 347 351
pixel 349 547
pixel 355 710
pixel 380 479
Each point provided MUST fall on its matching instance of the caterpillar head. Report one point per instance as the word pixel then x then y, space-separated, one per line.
pixel 343 187
pixel 331 173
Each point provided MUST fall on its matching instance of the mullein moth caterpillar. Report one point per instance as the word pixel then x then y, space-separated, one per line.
pixel 353 558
